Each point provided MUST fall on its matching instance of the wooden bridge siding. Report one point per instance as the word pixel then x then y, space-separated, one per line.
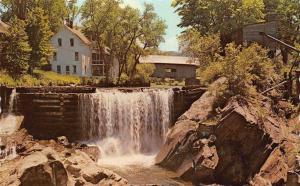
pixel 48 116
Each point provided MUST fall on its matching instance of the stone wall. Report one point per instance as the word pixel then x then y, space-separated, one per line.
pixel 48 116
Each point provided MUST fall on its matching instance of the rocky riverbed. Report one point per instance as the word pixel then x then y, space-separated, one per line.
pixel 53 162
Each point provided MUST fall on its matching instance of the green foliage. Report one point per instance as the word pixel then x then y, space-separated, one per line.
pixel 39 34
pixel 202 47
pixel 144 72
pixel 55 10
pixel 124 79
pixel 213 16
pixel 248 70
pixel 16 50
pixel 129 33
pixel 73 11
pixel 287 14
pixel 40 78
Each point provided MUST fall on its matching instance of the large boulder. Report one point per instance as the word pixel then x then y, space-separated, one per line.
pixel 42 168
pixel 189 148
pixel 249 144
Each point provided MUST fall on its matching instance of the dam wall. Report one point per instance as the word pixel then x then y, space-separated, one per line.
pixel 50 112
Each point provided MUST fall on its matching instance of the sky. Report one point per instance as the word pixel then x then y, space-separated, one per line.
pixel 164 9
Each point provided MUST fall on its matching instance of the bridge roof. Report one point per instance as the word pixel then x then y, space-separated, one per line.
pixel 174 60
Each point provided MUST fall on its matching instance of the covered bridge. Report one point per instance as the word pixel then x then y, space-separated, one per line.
pixel 175 67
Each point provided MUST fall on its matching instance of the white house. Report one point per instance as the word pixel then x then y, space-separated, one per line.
pixel 74 54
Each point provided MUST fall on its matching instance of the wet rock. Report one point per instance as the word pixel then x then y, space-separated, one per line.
pixel 177 134
pixel 36 169
pixel 79 183
pixel 20 148
pixel 259 181
pixel 293 179
pixel 75 171
pixel 94 177
pixel 36 175
pixel 63 140
pixel 93 152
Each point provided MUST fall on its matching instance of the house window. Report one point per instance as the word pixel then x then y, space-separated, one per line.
pixel 58 69
pixel 76 56
pixel 74 69
pixel 54 56
pixel 67 69
pixel 59 42
pixel 98 65
pixel 72 42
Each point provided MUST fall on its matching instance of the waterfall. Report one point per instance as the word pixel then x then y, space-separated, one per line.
pixel 9 123
pixel 126 123
pixel 12 101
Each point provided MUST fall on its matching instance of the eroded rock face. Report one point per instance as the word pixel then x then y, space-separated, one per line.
pixel 240 148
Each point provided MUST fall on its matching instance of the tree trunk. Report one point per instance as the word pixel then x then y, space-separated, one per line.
pixel 285 56
pixel 133 70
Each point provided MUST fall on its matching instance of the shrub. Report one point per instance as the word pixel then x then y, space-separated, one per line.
pixel 248 70
pixel 144 72
pixel 124 78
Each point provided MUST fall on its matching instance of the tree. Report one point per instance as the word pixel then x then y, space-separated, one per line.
pixel 287 14
pixel 152 32
pixel 16 50
pixel 73 12
pixel 56 10
pixel 128 33
pixel 100 20
pixel 39 34
pixel 201 47
pixel 213 16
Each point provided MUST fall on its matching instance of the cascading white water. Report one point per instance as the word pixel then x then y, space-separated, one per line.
pixel 126 125
pixel 8 121
pixel 8 125
pixel 12 100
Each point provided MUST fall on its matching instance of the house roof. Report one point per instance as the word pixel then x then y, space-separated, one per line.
pixel 80 35
pixel 3 27
pixel 174 60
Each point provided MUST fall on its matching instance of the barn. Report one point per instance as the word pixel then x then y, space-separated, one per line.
pixel 253 33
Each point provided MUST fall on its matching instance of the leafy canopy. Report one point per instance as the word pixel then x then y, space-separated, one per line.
pixel 213 16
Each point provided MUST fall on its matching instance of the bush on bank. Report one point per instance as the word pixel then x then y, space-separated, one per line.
pixel 39 78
